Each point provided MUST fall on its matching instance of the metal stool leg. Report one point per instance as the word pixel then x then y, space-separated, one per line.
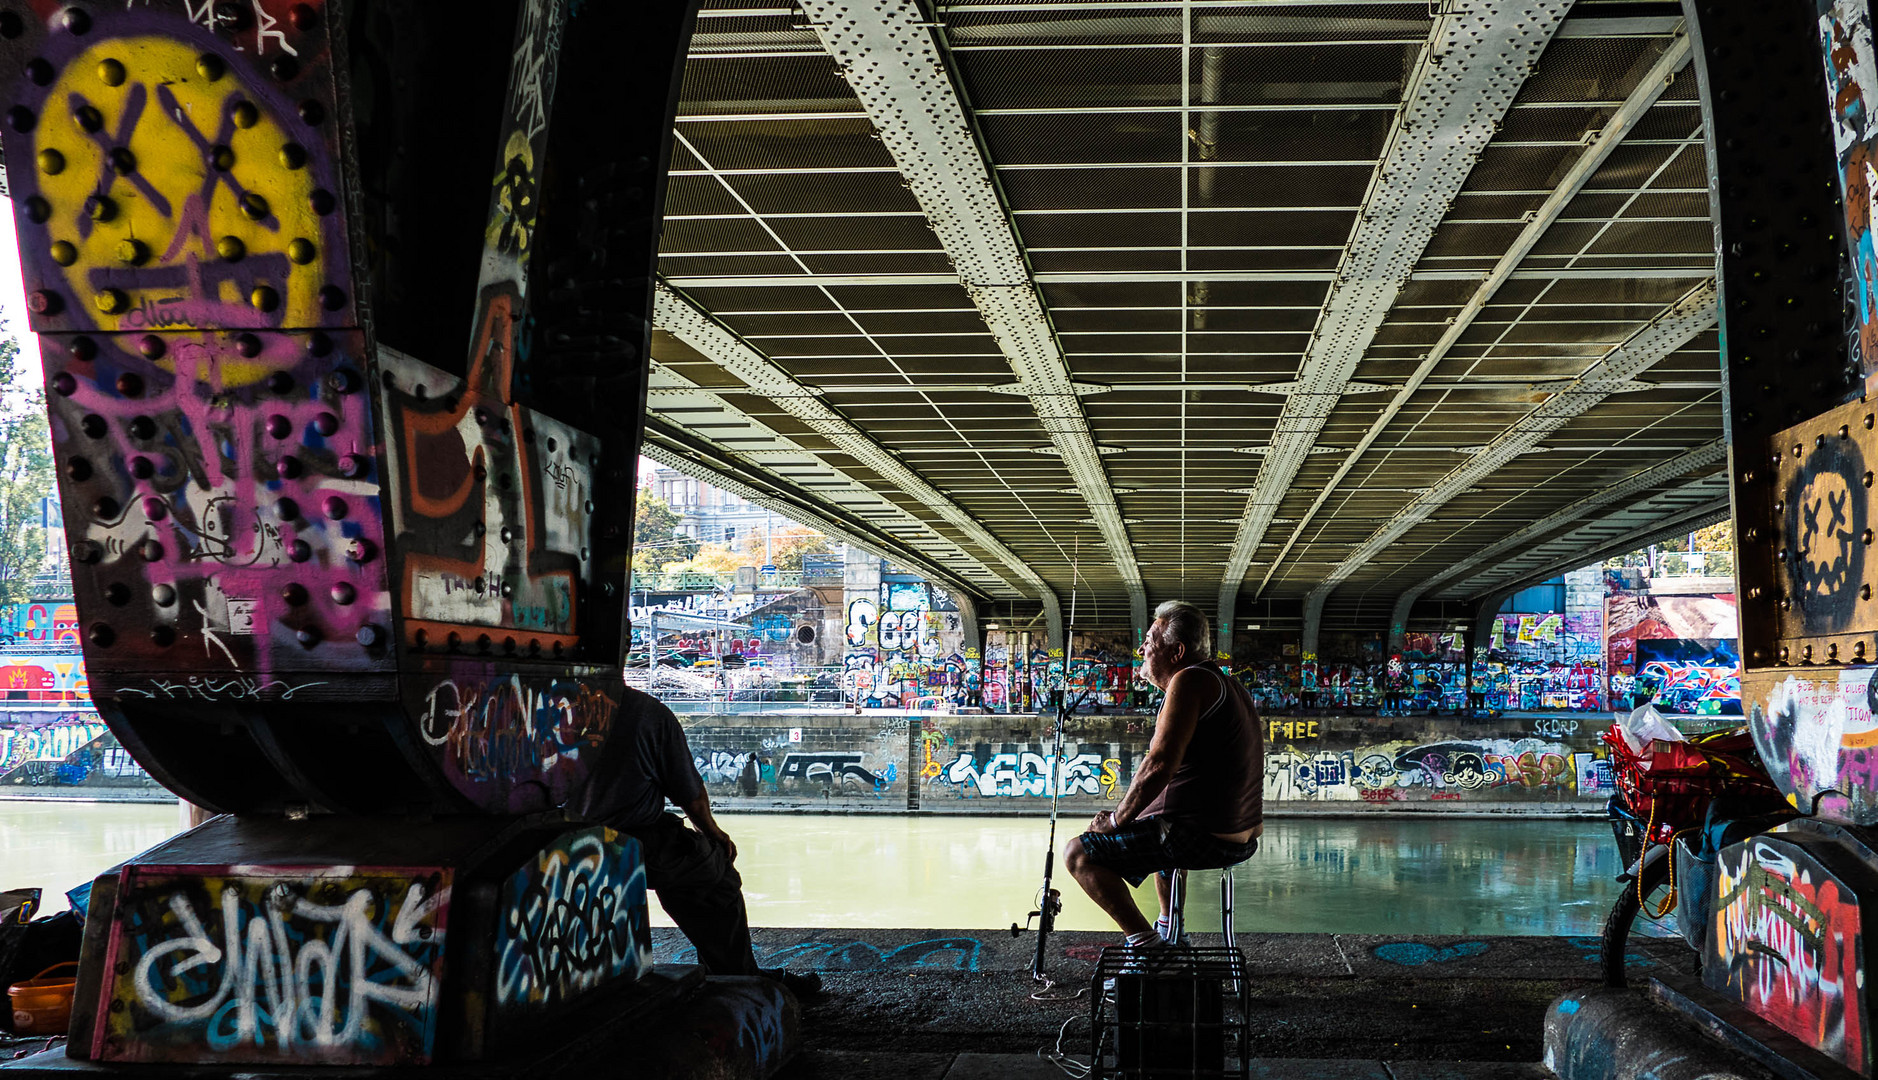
pixel 1176 903
pixel 1225 924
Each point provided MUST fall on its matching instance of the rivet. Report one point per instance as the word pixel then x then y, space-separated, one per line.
pixel 231 248
pixel 88 118
pixel 288 467
pixel 287 510
pixel 64 384
pixel 130 384
pixel 21 119
pixel 279 426
pixel 150 550
pixel 319 344
pixel 325 423
pixel 134 252
pixel 113 301
pixel 51 162
pixel 40 70
pixel 301 250
pixel 308 636
pixel 370 636
pixel 343 593
pixel 361 550
pixel 312 113
pixel 163 636
pixel 142 468
pixel 142 427
pixel 223 158
pixel 248 345
pixel 45 302
pixel 279 382
pixel 285 67
pixel 105 509
pixel 298 551
pixel 332 297
pixel 152 347
pixel 335 507
pixel 87 551
pixel 101 208
pixel 164 595
pixel 253 206
pixel 155 509
pixel 76 20
pixel 246 115
pixel 101 635
pixel 93 426
pixel 342 381
pixel 303 17
pixel 322 202
pixel 78 470
pixel 210 67
pixel 351 466
pixel 293 593
pixel 123 162
pixel 38 210
pixel 264 298
pixel 64 252
pixel 117 594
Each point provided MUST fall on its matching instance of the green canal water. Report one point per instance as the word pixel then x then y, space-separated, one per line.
pixel 1373 875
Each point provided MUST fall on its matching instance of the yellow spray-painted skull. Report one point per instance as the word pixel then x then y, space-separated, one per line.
pixel 177 200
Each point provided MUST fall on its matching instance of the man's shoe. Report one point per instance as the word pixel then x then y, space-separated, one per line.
pixel 1157 957
pixel 806 986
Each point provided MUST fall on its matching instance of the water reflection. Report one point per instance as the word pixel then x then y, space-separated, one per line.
pixel 1376 875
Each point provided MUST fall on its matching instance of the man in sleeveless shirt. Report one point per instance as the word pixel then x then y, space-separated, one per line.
pixel 1197 799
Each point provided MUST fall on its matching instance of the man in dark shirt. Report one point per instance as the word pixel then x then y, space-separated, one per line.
pixel 1197 801
pixel 645 763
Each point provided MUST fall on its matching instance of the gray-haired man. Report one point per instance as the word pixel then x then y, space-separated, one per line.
pixel 1197 799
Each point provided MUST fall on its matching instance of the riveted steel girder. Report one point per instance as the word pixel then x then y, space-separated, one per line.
pixel 887 52
pixel 1476 58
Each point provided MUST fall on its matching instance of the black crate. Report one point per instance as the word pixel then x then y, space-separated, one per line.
pixel 1171 1020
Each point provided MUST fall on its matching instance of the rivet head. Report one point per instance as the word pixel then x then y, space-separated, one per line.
pixel 117 594
pixel 87 551
pixel 150 550
pixel 83 349
pixel 40 70
pixel 293 156
pixel 105 509
pixel 285 67
pixel 303 17
pixel 113 301
pixel 288 467
pixel 51 162
pixel 134 252
pixel 332 297
pixel 142 468
pixel 319 344
pixel 111 72
pixel 361 550
pixel 21 119
pixel 322 202
pixel 343 593
pixel 210 67
pixel 75 20
pixel 312 113
pixel 279 426
pixel 287 510
pixel 253 206
pixel 279 382
pixel 45 302
pixel 64 252
pixel 101 635
pixel 264 298
pixel 38 210
pixel 88 118
pixel 231 248
pixel 101 207
pixel 325 423
pixel 142 427
pixel 246 115
pixel 11 25
pixel 342 381
pixel 130 384
pixel 78 470
pixel 163 636
pixel 370 636
pixel 155 509
pixel 352 466
pixel 307 636
pixel 151 346
pixel 298 551
pixel 164 595
pixel 223 158
pixel 64 384
pixel 335 507
pixel 248 345
pixel 293 593
pixel 301 251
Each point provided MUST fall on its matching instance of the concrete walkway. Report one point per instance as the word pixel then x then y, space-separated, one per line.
pixel 939 1004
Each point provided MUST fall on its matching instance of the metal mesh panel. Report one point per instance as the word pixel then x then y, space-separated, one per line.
pixel 1632 166
pixel 1471 239
pixel 1300 136
pixel 1566 238
pixel 1087 230
pixel 1299 186
pixel 805 298
pixel 863 233
pixel 716 234
pixel 824 193
pixel 755 327
pixel 822 144
pixel 1373 74
pixel 1078 79
pixel 1090 189
pixel 728 266
pixel 1302 227
pixel 1241 259
pixel 1295 321
pixel 1339 22
pixel 881 263
pixel 1083 139
pixel 1588 69
pixel 921 322
pixel 1652 237
pixel 1114 260
pixel 1074 322
pixel 770 85
pixel 1551 125
pixel 1154 25
pixel 901 296
pixel 698 195
pixel 1520 168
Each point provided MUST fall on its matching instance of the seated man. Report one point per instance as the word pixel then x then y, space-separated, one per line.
pixel 646 762
pixel 1197 799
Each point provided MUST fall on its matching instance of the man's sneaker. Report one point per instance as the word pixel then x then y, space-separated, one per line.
pixel 1155 958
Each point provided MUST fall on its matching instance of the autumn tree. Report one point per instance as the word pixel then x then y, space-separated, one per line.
pixel 26 479
pixel 656 539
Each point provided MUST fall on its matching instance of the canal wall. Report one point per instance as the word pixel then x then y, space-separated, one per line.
pixel 893 762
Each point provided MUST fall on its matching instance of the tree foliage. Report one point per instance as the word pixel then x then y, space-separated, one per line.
pixel 656 539
pixel 26 479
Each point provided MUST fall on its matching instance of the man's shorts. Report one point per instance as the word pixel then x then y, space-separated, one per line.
pixel 1150 845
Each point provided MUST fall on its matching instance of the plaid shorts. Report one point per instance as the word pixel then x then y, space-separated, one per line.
pixel 1151 845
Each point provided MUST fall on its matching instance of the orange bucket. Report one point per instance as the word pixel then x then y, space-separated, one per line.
pixel 43 1006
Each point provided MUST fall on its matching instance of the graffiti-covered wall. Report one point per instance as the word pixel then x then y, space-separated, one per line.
pixel 905 644
pixel 996 763
pixel 1683 650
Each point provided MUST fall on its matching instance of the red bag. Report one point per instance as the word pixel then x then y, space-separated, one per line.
pixel 1672 783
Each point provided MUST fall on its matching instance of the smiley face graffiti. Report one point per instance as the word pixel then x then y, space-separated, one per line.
pixel 1825 524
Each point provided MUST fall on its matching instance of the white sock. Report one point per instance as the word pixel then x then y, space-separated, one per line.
pixel 1148 938
pixel 1161 928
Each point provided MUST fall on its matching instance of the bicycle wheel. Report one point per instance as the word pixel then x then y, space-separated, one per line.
pixel 1614 945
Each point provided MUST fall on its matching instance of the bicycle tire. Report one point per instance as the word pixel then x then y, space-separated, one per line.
pixel 1613 946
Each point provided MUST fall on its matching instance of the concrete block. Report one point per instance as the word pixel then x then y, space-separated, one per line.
pixel 1606 1034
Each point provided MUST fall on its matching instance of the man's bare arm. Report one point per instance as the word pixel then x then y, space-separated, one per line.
pixel 1173 730
pixel 699 811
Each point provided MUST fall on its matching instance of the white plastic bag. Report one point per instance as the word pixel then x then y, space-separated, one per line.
pixel 1644 726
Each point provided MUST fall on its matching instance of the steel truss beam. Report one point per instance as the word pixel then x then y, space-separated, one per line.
pixel 1677 524
pixel 1706 456
pixel 1477 56
pixel 1130 277
pixel 888 54
pixel 1621 123
pixel 763 377
pixel 1669 331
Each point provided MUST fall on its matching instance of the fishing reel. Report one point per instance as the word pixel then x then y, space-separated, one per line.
pixel 1049 906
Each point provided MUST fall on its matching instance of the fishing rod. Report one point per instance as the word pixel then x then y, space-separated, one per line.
pixel 1049 900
